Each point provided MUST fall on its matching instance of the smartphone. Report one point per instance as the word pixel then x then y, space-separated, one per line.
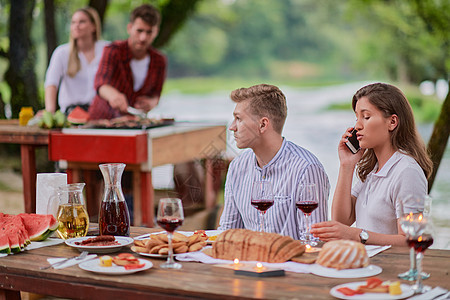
pixel 353 143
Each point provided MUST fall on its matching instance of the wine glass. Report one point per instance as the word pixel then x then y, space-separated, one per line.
pixel 420 242
pixel 307 202
pixel 170 216
pixel 262 198
pixel 410 209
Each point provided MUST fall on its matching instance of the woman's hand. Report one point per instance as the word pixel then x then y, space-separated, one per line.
pixel 346 157
pixel 333 230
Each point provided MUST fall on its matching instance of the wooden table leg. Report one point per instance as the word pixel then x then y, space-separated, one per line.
pixel 9 295
pixel 29 177
pixel 137 198
pixel 147 198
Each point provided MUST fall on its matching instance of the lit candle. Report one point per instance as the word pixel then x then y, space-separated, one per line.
pixel 236 264
pixel 259 267
pixel 309 249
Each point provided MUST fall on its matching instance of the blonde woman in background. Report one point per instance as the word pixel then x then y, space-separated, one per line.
pixel 73 65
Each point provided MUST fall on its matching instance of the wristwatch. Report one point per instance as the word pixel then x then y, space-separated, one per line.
pixel 364 236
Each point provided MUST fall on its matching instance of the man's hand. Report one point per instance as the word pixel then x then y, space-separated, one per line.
pixel 116 99
pixel 119 102
pixel 146 103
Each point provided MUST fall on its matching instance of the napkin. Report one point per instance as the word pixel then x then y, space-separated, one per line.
pixel 70 262
pixel 434 293
pixel 373 250
pixel 202 257
pixel 46 192
pixel 45 243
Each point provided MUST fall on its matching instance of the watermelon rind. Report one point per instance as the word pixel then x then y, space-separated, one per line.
pixel 4 245
pixel 39 227
pixel 14 243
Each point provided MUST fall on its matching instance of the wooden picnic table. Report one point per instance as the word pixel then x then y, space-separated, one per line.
pixel 21 272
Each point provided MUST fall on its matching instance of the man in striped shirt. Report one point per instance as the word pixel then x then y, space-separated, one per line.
pixel 259 118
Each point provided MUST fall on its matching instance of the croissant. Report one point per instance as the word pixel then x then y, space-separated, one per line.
pixel 248 245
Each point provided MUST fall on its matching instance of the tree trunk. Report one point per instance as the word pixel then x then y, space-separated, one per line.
pixel 100 6
pixel 50 32
pixel 174 14
pixel 20 75
pixel 439 138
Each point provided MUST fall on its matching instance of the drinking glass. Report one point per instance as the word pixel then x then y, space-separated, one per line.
pixel 412 208
pixel 170 217
pixel 72 216
pixel 262 198
pixel 307 202
pixel 420 243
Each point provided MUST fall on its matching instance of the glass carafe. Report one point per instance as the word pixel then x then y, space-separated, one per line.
pixel 114 216
pixel 72 216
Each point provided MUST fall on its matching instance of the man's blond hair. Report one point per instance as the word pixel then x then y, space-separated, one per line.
pixel 265 101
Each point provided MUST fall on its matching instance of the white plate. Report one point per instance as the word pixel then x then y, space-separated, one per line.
pixel 154 255
pixel 186 233
pixel 94 266
pixel 406 292
pixel 123 241
pixel 370 270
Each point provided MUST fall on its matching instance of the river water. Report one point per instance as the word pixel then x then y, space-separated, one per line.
pixel 309 125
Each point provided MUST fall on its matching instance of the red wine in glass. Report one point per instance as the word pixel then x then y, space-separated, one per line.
pixel 262 199
pixel 262 205
pixel 420 243
pixel 307 201
pixel 170 216
pixel 170 224
pixel 307 207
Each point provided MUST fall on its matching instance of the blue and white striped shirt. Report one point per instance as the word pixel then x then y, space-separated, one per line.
pixel 291 166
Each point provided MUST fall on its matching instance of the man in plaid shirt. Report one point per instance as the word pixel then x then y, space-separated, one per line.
pixel 131 72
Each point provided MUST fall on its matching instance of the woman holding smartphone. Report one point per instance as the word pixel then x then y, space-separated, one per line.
pixel 391 164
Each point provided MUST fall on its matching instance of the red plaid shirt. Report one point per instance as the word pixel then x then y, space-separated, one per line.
pixel 114 69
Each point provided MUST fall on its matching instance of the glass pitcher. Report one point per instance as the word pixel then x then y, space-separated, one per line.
pixel 72 215
pixel 114 217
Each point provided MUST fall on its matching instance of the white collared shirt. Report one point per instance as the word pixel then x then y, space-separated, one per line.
pixel 80 88
pixel 377 196
pixel 290 166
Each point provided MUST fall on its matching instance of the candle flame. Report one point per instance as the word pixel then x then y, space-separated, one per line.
pixel 410 216
pixel 419 239
pixel 259 265
pixel 308 246
pixel 420 217
pixel 236 261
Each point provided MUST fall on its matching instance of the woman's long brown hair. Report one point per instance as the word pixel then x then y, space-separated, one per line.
pixel 404 138
pixel 74 61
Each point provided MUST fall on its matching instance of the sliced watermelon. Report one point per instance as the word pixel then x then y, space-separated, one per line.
pixel 14 243
pixel 39 227
pixel 4 244
pixel 14 225
pixel 78 116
